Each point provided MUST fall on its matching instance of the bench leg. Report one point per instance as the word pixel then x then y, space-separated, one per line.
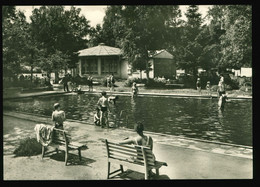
pixel 108 170
pixel 66 157
pixel 121 168
pixel 57 150
pixel 43 151
pixel 146 174
pixel 157 172
pixel 79 151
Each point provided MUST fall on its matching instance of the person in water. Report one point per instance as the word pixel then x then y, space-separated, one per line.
pixel 58 116
pixel 103 104
pixel 221 102
pixel 97 117
pixel 112 99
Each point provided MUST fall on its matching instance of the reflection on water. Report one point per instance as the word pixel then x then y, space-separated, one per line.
pixel 188 117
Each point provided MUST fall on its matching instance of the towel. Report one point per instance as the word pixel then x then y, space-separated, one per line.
pixel 43 134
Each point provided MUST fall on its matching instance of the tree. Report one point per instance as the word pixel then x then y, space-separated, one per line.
pixel 61 33
pixel 95 36
pixel 13 29
pixel 232 25
pixel 190 50
pixel 236 44
pixel 139 29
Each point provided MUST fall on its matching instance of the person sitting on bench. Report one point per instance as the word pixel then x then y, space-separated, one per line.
pixel 58 116
pixel 140 138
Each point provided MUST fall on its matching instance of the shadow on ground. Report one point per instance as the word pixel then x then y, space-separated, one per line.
pixel 72 160
pixel 134 175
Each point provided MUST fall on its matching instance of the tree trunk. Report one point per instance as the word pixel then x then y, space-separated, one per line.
pixel 32 55
pixel 31 73
pixel 56 77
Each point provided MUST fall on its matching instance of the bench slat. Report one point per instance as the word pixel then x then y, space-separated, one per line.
pixel 131 155
pixel 134 159
pixel 127 159
pixel 128 155
pixel 130 148
pixel 121 145
pixel 112 148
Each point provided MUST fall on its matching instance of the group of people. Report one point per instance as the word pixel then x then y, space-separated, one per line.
pixel 58 118
pixel 208 86
pixel 74 83
pixel 222 96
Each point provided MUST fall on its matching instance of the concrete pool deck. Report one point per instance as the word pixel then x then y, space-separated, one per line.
pixel 143 93
pixel 187 158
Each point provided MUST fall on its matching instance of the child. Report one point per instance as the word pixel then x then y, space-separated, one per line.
pixel 134 90
pixel 97 117
pixel 208 88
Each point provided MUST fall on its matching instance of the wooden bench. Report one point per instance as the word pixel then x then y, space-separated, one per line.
pixel 137 158
pixel 61 140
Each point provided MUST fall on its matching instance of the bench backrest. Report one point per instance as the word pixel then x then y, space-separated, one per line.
pixel 60 137
pixel 130 153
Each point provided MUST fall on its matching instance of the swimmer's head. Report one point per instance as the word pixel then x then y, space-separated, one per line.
pixel 56 106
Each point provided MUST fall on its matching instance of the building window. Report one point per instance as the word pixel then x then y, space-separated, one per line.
pixel 109 65
pixel 89 66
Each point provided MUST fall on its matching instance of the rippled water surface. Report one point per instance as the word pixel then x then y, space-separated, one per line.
pixel 188 117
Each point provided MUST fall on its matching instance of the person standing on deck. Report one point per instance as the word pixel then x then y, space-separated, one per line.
pixel 65 81
pixel 198 85
pixel 208 88
pixel 112 81
pixel 90 83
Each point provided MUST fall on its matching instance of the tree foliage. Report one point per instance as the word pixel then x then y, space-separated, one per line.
pixel 139 29
pixel 236 39
pixel 13 23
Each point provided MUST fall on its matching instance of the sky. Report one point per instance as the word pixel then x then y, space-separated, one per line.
pixel 96 13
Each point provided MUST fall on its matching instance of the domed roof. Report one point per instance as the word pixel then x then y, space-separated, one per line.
pixel 100 50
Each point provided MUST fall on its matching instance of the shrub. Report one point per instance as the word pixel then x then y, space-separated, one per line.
pixel 129 81
pixel 28 147
pixel 155 84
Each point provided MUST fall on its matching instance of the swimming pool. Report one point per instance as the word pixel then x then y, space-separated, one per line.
pixel 187 117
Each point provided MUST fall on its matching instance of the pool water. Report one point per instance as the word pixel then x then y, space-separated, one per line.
pixel 187 117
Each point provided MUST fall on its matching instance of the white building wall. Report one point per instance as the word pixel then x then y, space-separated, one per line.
pixel 124 69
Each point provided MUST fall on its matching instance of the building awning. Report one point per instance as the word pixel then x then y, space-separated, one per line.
pixel 100 50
